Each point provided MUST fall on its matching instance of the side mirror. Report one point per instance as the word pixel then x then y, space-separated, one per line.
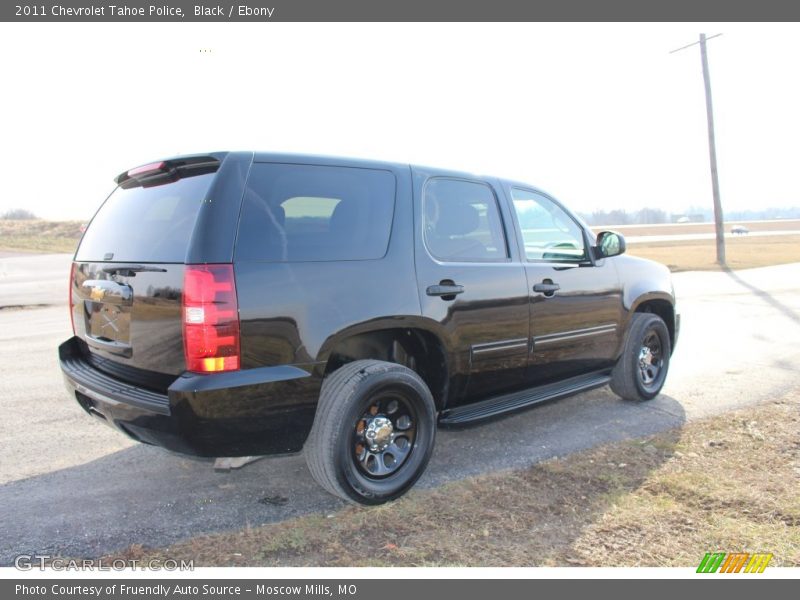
pixel 609 243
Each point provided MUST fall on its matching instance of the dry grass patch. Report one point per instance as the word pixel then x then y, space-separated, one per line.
pixel 727 483
pixel 731 486
pixel 741 252
pixel 38 235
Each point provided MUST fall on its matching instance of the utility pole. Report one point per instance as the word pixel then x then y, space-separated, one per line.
pixel 712 149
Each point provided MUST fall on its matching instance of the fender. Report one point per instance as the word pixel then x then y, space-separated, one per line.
pixel 642 281
pixel 445 377
pixel 384 323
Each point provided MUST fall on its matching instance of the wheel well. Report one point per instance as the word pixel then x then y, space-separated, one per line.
pixel 663 309
pixel 419 350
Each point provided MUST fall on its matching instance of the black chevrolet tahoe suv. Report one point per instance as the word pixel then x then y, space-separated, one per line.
pixel 240 304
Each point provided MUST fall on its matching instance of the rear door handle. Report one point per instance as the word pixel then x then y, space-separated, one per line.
pixel 548 288
pixel 444 290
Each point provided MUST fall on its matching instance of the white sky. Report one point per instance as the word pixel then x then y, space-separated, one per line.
pixel 600 115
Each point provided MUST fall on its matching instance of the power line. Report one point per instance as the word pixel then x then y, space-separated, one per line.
pixel 711 37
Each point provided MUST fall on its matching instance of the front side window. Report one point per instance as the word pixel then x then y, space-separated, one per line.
pixel 549 232
pixel 462 221
pixel 301 213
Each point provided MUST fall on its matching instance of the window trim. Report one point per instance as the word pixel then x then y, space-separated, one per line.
pixel 489 261
pixel 586 261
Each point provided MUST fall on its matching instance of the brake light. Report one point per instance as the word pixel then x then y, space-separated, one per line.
pixel 70 299
pixel 210 319
pixel 147 169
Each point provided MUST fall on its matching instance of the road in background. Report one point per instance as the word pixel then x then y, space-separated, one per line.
pixel 683 228
pixel 33 279
pixel 72 486
pixel 689 237
pixel 686 232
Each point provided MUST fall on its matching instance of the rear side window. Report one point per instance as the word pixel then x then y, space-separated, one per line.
pixel 146 224
pixel 462 221
pixel 297 213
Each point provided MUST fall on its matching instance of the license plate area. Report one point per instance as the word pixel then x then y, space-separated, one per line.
pixel 108 322
pixel 107 312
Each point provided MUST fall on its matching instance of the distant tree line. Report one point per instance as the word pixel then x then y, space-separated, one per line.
pixel 18 214
pixel 762 214
pixel 694 214
pixel 643 216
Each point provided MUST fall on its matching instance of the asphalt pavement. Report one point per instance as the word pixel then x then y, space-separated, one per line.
pixel 71 486
pixel 33 279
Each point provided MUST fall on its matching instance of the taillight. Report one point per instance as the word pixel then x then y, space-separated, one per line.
pixel 210 319
pixel 70 298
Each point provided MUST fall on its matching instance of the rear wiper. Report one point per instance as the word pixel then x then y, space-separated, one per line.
pixel 131 270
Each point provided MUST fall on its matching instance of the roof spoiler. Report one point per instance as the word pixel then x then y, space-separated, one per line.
pixel 167 171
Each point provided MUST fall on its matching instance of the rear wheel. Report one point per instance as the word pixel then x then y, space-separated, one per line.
pixel 642 368
pixel 373 433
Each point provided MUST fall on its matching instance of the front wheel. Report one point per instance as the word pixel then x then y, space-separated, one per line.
pixel 642 369
pixel 373 433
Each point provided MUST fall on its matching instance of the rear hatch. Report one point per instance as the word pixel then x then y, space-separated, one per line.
pixel 128 273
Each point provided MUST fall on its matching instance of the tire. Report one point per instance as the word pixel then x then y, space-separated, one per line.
pixel 639 375
pixel 356 402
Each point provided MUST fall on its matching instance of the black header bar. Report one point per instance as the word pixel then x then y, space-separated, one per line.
pixel 407 10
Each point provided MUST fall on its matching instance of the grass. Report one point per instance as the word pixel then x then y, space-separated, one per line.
pixel 727 483
pixel 741 252
pixel 39 235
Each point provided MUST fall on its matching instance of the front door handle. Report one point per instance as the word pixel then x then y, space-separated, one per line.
pixel 547 287
pixel 445 291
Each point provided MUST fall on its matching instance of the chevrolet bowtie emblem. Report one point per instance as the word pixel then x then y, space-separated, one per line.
pixel 97 293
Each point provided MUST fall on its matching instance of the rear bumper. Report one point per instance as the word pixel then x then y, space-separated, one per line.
pixel 267 410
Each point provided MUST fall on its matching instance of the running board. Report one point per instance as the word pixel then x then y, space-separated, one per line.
pixel 486 409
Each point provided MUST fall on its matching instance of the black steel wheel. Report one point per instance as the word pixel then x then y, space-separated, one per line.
pixel 384 434
pixel 642 368
pixel 373 433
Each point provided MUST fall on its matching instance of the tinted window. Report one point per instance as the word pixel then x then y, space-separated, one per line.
pixel 548 231
pixel 146 224
pixel 315 213
pixel 462 221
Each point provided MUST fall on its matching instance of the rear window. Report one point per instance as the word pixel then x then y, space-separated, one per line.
pixel 146 224
pixel 297 213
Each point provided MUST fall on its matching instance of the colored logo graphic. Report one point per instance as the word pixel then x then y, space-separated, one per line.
pixel 743 562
